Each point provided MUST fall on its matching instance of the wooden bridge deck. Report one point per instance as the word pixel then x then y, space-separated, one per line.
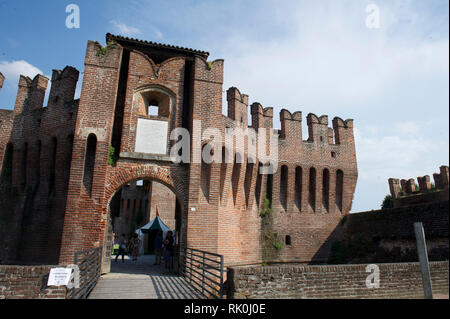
pixel 141 280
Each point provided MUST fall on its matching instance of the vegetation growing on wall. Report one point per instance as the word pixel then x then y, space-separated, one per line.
pixel 102 51
pixel 6 201
pixel 112 157
pixel 350 249
pixel 388 202
pixel 271 243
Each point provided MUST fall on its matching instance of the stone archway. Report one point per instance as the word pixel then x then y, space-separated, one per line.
pixel 122 176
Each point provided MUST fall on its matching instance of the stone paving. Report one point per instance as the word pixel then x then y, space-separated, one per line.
pixel 141 280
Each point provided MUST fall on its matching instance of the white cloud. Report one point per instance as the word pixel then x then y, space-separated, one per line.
pixel 13 69
pixel 330 58
pixel 157 33
pixel 401 152
pixel 125 30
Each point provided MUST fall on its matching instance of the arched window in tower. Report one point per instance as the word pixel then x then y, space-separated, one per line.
pixel 312 188
pixel 283 186
pixel 205 176
pixel 154 109
pixel 298 187
pixel 258 185
pixel 52 166
pixel 23 167
pixel 339 189
pixel 37 174
pixel 223 172
pixel 326 190
pixel 68 159
pixel 269 188
pixel 248 180
pixel 235 176
pixel 6 174
pixel 89 162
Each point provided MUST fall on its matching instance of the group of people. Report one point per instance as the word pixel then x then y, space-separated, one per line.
pixel 131 246
pixel 164 247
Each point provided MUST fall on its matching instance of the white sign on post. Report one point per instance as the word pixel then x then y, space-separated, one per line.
pixel 59 276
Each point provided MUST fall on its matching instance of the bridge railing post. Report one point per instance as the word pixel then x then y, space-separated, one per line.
pixel 221 278
pixel 203 273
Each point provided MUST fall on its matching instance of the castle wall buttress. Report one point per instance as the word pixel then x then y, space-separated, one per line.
pixel 85 219
pixel 203 217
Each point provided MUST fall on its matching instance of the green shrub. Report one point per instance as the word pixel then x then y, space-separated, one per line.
pixel 388 202
pixel 266 210
pixel 112 157
pixel 111 45
pixel 278 245
pixel 339 253
pixel 343 220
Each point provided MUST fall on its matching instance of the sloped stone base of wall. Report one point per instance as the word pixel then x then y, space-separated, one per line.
pixel 400 280
pixel 25 282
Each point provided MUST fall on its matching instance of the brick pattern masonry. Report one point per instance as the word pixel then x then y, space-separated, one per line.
pixel 344 281
pixel 26 282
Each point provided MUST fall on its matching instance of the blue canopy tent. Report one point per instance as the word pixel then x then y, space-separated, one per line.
pixel 154 224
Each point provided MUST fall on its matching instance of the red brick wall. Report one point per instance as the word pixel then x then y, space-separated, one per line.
pixel 86 219
pixel 25 282
pixel 164 199
pixel 39 180
pixel 403 280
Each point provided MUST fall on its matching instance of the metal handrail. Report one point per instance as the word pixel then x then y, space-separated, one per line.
pixel 89 264
pixel 195 262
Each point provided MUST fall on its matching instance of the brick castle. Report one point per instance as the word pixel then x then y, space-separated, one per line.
pixel 57 185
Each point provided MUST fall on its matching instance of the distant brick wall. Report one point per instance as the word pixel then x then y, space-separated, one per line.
pixel 408 192
pixel 388 235
pixel 164 199
pixel 401 280
pixel 24 282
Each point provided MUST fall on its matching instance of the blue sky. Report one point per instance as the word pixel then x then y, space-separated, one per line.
pixel 311 56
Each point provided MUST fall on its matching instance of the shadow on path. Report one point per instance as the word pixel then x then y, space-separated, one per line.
pixel 141 279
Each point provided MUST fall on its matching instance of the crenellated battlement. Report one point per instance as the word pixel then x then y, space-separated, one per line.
pixel 317 128
pixel 261 117
pixel 237 106
pixel 2 79
pixel 406 191
pixel 30 93
pixel 63 86
pixel 291 123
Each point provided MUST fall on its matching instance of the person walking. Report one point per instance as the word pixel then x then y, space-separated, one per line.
pixel 158 245
pixel 122 247
pixel 134 246
pixel 168 245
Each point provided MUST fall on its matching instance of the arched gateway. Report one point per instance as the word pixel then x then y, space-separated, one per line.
pixel 170 177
